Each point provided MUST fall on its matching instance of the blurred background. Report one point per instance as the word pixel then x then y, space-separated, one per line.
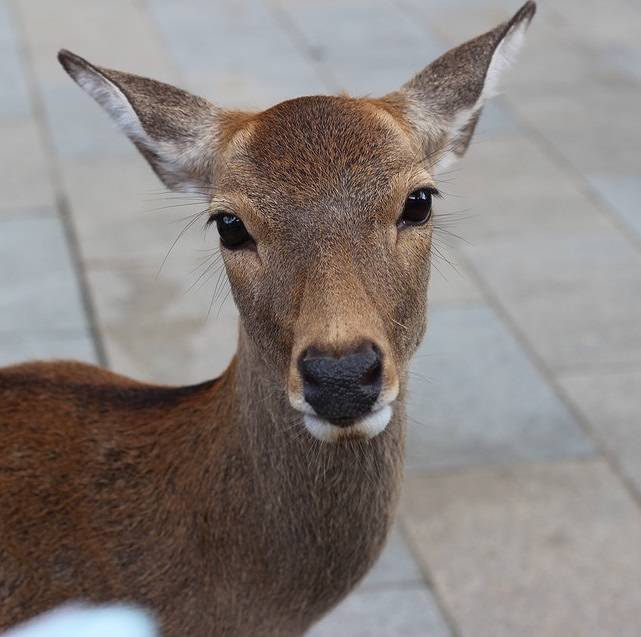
pixel 521 508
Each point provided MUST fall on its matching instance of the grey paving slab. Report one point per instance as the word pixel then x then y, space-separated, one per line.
pixel 244 89
pixel 550 550
pixel 554 58
pixel 398 613
pixel 508 186
pixel 234 53
pixel 355 41
pixel 156 319
pixel 39 289
pixel 611 404
pixel 621 19
pixel 395 567
pixel 450 280
pixel 577 299
pixel 14 97
pixel 14 94
pixel 18 347
pixel 558 56
pixel 117 34
pixel 594 126
pixel 177 353
pixel 158 327
pixel 123 212
pixel 475 398
pixel 7 26
pixel 496 119
pixel 144 292
pixel 628 59
pixel 24 178
pixel 622 193
pixel 456 21
pixel 79 128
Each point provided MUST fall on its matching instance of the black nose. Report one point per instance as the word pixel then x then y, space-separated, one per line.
pixel 342 388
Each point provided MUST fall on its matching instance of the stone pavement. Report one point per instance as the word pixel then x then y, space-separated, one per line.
pixel 521 510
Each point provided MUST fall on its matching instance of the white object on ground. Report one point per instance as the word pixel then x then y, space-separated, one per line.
pixel 87 621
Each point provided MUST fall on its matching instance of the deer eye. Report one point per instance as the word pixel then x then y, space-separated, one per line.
pixel 232 231
pixel 418 207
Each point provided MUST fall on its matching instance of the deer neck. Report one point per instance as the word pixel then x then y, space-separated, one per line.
pixel 333 502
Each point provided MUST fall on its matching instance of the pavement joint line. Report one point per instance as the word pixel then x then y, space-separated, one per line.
pixel 576 175
pixel 404 585
pixel 489 465
pixel 468 469
pixel 53 169
pixel 548 375
pixel 438 34
pixel 300 42
pixel 176 71
pixel 539 138
pixel 604 369
pixel 82 278
pixel 429 582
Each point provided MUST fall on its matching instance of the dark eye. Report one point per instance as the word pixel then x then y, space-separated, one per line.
pixel 232 231
pixel 418 207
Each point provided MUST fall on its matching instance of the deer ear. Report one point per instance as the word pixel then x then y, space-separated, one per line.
pixel 444 101
pixel 174 130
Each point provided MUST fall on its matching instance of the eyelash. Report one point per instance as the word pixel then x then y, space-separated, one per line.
pixel 211 219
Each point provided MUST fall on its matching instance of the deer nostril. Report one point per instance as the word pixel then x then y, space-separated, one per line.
pixel 345 387
pixel 310 370
pixel 375 371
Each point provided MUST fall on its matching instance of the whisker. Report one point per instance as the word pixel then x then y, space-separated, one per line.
pixel 216 292
pixel 172 206
pixel 220 307
pixel 193 218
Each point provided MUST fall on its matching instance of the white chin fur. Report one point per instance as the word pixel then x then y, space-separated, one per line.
pixel 366 427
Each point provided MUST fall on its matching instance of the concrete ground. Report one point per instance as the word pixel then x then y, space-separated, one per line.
pixel 521 509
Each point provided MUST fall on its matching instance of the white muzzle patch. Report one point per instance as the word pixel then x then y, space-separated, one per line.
pixel 367 427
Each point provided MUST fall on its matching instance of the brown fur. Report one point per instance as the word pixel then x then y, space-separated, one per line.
pixel 165 497
pixel 211 505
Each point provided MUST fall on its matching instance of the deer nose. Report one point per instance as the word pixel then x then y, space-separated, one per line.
pixel 342 388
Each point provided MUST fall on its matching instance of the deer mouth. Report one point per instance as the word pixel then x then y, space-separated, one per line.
pixel 365 427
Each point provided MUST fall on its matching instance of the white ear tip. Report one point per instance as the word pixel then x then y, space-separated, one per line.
pixel 83 621
pixel 507 50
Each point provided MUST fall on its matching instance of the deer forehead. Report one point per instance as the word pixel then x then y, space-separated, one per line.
pixel 319 150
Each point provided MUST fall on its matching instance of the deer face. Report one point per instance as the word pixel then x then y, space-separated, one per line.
pixel 324 210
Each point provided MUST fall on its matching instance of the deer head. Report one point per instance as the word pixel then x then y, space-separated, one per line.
pixel 324 210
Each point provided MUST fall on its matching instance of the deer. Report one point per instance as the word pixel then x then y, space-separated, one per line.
pixel 251 504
